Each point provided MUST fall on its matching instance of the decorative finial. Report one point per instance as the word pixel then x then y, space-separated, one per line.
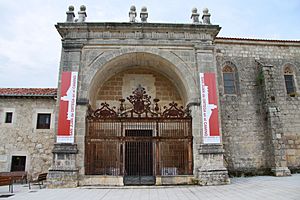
pixel 82 14
pixel 82 8
pixel 195 16
pixel 144 14
pixel 206 16
pixel 71 8
pixel 132 14
pixel 70 14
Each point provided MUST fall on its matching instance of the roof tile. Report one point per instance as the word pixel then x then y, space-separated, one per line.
pixel 28 92
pixel 257 39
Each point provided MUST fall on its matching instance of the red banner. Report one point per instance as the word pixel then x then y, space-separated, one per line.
pixel 209 103
pixel 67 105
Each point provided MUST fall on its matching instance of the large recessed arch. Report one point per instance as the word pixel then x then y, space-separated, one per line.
pixel 164 62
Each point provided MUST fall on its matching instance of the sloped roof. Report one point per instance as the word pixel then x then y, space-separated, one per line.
pixel 28 92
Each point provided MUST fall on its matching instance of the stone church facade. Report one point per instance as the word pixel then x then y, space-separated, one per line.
pixel 139 110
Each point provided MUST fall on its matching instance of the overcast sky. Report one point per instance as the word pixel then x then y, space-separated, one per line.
pixel 30 45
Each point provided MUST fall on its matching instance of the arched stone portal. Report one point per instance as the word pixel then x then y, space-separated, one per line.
pixel 163 81
pixel 162 62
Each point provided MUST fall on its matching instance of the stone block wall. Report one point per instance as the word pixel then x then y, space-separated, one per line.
pixel 160 86
pixel 289 108
pixel 244 121
pixel 21 138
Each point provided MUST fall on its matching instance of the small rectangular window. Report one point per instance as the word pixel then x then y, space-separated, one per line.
pixel 8 117
pixel 289 84
pixel 43 121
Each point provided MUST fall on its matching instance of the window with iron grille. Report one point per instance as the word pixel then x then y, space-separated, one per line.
pixel 289 84
pixel 289 80
pixel 229 80
pixel 43 121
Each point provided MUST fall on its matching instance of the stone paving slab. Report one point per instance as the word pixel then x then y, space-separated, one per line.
pixel 260 187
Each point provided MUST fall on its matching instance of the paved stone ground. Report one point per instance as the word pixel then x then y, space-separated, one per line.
pixel 260 187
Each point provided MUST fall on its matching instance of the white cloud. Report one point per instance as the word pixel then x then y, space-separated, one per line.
pixel 30 46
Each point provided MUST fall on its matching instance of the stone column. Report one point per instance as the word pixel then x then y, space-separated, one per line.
pixel 211 170
pixel 64 171
pixel 274 123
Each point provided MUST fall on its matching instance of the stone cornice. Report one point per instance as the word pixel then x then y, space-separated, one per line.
pixel 72 45
pixel 158 31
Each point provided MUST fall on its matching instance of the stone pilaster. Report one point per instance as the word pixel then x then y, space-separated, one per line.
pixel 195 109
pixel 274 123
pixel 211 170
pixel 63 172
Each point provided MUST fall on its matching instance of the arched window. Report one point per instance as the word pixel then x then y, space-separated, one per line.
pixel 229 80
pixel 289 80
